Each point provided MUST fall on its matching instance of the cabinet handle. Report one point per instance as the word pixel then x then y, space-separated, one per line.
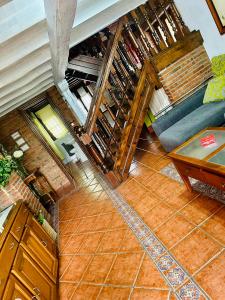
pixel 37 291
pixel 18 228
pixel 34 298
pixel 44 243
pixel 11 246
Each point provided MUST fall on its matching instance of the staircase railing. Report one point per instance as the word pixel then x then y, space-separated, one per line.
pixel 126 84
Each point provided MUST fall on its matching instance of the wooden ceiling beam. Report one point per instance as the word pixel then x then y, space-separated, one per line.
pixel 60 18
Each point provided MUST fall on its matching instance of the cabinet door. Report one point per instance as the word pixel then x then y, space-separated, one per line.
pixel 15 290
pixel 19 223
pixel 7 256
pixel 43 236
pixel 38 251
pixel 32 277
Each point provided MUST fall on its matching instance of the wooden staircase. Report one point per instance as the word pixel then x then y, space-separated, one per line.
pixel 126 83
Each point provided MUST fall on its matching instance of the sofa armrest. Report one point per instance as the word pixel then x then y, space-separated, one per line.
pixel 179 111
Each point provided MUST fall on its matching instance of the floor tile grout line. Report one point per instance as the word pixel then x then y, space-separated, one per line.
pixel 87 217
pixel 113 193
pixel 208 262
pixel 136 275
pixel 211 236
pixel 91 259
pixel 141 242
pixel 101 253
pixel 214 213
pixel 179 212
pixel 183 238
pixel 200 192
pixel 151 152
pixel 176 212
pixel 90 232
pixel 66 267
pixel 164 198
pixel 169 295
pixel 151 168
pixel 110 269
pixel 115 285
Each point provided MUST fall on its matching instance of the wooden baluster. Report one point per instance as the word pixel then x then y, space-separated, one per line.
pixel 119 89
pixel 119 73
pixel 112 115
pixel 178 19
pixel 126 74
pixel 133 41
pixel 102 144
pixel 126 82
pixel 153 9
pixel 105 126
pixel 91 147
pixel 128 66
pixel 119 106
pixel 114 80
pixel 123 100
pixel 175 29
pixel 159 43
pixel 143 35
pixel 129 58
pixel 99 140
pixel 109 128
pixel 103 131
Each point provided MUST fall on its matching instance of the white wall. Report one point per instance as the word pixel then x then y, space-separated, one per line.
pixel 196 15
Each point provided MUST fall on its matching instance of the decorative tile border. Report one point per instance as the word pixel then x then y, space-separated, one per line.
pixel 178 279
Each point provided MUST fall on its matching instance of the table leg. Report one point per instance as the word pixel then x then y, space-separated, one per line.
pixel 186 181
pixel 185 178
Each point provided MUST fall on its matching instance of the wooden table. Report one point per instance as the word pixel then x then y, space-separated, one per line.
pixel 202 157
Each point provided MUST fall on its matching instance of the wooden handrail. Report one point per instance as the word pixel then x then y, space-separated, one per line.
pixel 102 80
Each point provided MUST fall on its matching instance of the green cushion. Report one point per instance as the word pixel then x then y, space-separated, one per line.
pixel 215 90
pixel 218 65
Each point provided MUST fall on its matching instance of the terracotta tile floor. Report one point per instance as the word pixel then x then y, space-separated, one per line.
pixel 101 258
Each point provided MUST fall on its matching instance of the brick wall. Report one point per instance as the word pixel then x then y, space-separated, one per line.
pixel 186 74
pixel 16 190
pixel 37 155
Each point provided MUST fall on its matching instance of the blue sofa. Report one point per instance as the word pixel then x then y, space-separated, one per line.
pixel 188 118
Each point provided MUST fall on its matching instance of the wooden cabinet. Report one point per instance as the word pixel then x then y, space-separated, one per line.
pixel 19 223
pixel 37 248
pixel 42 235
pixel 28 259
pixel 7 256
pixel 15 290
pixel 35 280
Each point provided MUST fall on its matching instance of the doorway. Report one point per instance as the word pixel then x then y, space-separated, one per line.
pixel 50 128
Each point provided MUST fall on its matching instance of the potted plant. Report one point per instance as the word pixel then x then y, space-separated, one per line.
pixel 7 166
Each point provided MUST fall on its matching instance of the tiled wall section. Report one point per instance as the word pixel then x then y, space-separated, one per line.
pixel 37 155
pixel 186 74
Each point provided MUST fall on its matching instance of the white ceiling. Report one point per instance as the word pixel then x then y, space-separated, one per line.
pixel 25 56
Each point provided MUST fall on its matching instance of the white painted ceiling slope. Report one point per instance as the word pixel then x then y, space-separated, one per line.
pixel 25 56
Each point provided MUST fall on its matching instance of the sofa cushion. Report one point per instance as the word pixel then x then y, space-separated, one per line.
pixel 215 90
pixel 218 65
pixel 205 116
pixel 179 111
